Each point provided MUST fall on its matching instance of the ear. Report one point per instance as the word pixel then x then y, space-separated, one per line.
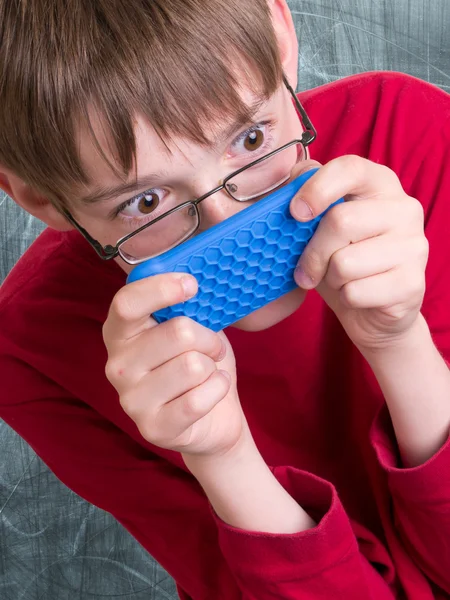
pixel 287 39
pixel 32 202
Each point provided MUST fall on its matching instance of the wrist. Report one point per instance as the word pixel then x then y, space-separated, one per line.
pixel 243 450
pixel 415 382
pixel 413 338
pixel 244 492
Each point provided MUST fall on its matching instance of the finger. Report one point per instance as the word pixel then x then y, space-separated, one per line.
pixel 167 382
pixel 134 303
pixel 373 256
pixel 351 177
pixel 396 288
pixel 180 335
pixel 179 375
pixel 158 345
pixel 344 224
pixel 177 418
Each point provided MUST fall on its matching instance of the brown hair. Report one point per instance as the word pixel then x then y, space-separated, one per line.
pixel 175 61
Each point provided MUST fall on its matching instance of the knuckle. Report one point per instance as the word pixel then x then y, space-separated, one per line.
pixel 194 366
pixel 182 332
pixel 123 304
pixel 416 286
pixel 193 407
pixel 129 406
pixel 360 168
pixel 383 173
pixel 418 252
pixel 341 265
pixel 421 249
pixel 340 218
pixel 417 211
pixel 112 370
pixel 353 164
pixel 350 161
pixel 387 173
pixel 349 295
pixel 425 248
pixel 105 332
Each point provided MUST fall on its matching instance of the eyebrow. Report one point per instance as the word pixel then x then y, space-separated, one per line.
pixel 131 187
pixel 101 194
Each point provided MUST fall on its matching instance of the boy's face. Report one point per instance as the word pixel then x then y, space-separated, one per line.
pixel 168 178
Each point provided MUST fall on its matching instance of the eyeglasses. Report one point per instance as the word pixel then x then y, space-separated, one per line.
pixel 176 225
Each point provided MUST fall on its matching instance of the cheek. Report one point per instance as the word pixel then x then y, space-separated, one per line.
pixel 272 313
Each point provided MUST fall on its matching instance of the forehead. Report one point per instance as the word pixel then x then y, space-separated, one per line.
pixel 100 159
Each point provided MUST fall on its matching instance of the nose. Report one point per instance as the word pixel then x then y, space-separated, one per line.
pixel 216 208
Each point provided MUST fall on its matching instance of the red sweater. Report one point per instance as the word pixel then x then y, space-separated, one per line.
pixel 312 403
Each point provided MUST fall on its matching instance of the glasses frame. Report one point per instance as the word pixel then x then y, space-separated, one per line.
pixel 109 252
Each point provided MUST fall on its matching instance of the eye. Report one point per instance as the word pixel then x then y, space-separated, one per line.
pixel 252 139
pixel 143 204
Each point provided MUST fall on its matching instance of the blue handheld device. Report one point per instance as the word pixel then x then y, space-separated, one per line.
pixel 241 264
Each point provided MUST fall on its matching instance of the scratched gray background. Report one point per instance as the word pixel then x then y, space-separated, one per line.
pixel 55 546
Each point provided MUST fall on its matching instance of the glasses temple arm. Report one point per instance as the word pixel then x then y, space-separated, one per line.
pixel 310 134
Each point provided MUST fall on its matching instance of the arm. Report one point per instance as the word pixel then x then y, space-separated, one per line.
pixel 282 555
pixel 368 262
pixel 421 494
pixel 415 381
pixel 244 492
pixel 184 398
pixel 165 509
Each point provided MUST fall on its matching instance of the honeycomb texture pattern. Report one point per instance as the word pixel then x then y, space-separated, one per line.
pixel 241 264
pixel 244 271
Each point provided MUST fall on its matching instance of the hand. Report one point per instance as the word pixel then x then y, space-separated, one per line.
pixel 176 380
pixel 368 256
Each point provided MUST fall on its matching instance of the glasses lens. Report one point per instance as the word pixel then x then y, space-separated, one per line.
pixel 267 175
pixel 162 235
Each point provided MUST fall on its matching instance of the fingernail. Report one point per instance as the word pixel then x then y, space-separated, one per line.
pixel 302 279
pixel 190 287
pixel 302 211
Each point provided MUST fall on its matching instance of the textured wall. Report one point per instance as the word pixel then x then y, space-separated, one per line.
pixel 53 545
pixel 342 37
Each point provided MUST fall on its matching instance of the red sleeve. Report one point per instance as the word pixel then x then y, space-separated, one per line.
pixel 323 563
pixel 166 510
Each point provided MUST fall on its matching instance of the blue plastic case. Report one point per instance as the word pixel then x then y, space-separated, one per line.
pixel 241 264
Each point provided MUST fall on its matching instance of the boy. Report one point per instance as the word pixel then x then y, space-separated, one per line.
pixel 320 467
